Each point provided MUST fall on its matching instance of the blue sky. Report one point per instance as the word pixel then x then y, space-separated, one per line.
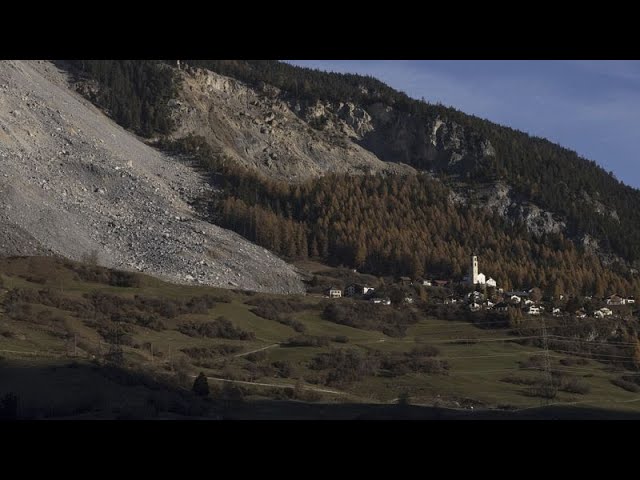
pixel 589 106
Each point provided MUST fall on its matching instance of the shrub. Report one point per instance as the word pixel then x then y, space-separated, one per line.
pixel 575 385
pixel 307 341
pixel 284 368
pixel 425 351
pixel 390 321
pixel 221 327
pixel 344 365
pixel 340 339
pixel 516 380
pixel 626 385
pixel 256 357
pixel 208 352
pixel 571 361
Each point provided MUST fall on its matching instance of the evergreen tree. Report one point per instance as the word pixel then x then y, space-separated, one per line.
pixel 201 385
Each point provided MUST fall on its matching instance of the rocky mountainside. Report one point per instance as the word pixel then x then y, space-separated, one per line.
pixel 75 184
pixel 258 128
pixel 292 139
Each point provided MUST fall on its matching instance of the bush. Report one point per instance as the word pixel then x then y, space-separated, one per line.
pixel 306 341
pixel 275 310
pixel 626 385
pixel 571 361
pixel 340 339
pixel 575 385
pixel 221 327
pixel 284 368
pixel 213 350
pixel 516 380
pixel 425 351
pixel 256 357
pixel 390 321
pixel 344 365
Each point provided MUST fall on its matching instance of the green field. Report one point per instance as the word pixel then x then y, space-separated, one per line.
pixel 477 373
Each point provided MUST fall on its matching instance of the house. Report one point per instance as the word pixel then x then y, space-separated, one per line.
pixel 386 301
pixel 515 299
pixel 631 300
pixel 581 313
pixel 425 283
pixel 376 300
pixel 556 312
pixel 491 282
pixel 521 294
pixel 333 292
pixel 616 300
pixel 528 301
pixel 598 314
pixel 450 300
pixel 357 289
pixel 533 310
pixel 408 299
pixel 502 307
pixel 489 304
pixel 475 296
pixel 474 307
pixel 405 280
pixel 606 312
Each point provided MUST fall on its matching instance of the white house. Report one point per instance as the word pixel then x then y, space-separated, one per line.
pixel 556 312
pixel 616 300
pixel 515 299
pixel 533 310
pixel 408 299
pixel 426 283
pixel 474 295
pixel 386 301
pixel 528 301
pixel 631 300
pixel 334 292
pixel 474 307
pixel 491 282
pixel 606 312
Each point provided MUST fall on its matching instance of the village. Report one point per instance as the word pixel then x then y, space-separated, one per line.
pixel 477 293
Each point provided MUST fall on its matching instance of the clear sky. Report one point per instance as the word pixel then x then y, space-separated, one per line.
pixel 589 106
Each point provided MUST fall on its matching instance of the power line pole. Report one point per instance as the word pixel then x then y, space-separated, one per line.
pixel 548 391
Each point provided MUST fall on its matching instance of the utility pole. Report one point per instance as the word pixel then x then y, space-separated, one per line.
pixel 75 346
pixel 151 349
pixel 547 363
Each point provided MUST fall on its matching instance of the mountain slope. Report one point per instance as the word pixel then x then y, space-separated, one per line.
pixel 549 187
pixel 75 184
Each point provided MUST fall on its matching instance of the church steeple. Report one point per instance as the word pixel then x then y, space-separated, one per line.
pixel 473 270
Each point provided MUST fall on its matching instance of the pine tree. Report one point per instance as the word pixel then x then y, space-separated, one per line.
pixel 201 385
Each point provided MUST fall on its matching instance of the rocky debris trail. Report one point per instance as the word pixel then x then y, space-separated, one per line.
pixel 72 182
pixel 260 130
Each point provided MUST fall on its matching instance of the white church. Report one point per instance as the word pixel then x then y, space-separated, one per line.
pixel 476 278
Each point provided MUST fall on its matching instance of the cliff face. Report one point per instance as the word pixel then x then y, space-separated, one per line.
pixel 259 129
